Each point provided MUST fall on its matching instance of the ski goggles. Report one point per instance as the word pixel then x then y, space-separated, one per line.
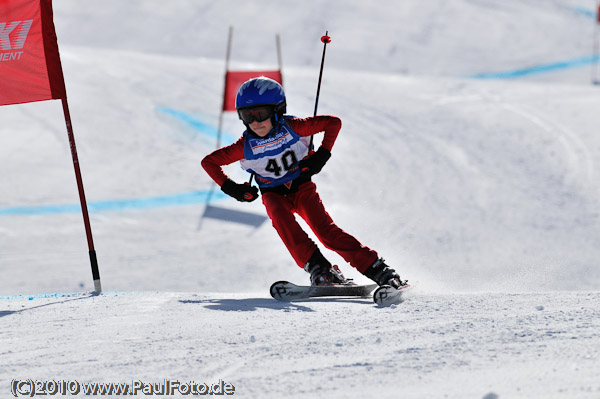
pixel 258 114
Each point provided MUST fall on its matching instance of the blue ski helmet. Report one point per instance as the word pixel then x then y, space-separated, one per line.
pixel 261 91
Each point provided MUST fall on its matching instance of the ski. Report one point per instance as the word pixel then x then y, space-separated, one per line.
pixel 286 291
pixel 387 295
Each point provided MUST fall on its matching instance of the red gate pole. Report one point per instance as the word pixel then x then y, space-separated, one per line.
pixel 84 209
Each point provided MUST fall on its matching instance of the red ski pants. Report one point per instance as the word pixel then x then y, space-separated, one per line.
pixel 307 204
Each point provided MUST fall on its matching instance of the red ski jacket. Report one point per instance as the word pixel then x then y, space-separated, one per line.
pixel 214 161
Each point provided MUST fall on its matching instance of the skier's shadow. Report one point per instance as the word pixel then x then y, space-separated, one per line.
pixel 253 304
pixel 247 304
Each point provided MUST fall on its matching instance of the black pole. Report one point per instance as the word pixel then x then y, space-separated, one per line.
pixel 84 208
pixel 325 39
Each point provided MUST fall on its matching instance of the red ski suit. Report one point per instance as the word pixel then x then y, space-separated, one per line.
pixel 281 203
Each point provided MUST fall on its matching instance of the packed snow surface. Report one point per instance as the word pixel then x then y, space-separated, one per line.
pixel 468 158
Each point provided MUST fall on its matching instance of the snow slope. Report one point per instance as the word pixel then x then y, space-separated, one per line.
pixel 431 346
pixel 482 192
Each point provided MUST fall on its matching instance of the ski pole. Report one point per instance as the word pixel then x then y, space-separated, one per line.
pixel 325 39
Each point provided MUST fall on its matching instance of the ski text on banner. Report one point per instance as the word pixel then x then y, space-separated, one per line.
pixel 30 68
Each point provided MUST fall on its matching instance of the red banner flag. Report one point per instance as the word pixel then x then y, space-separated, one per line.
pixel 234 79
pixel 30 68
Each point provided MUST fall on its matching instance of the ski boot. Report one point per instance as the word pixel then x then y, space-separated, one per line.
pixel 322 272
pixel 382 274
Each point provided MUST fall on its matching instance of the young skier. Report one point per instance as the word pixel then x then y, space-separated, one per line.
pixel 275 148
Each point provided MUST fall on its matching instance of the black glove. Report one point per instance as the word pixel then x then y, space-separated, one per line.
pixel 241 192
pixel 313 164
